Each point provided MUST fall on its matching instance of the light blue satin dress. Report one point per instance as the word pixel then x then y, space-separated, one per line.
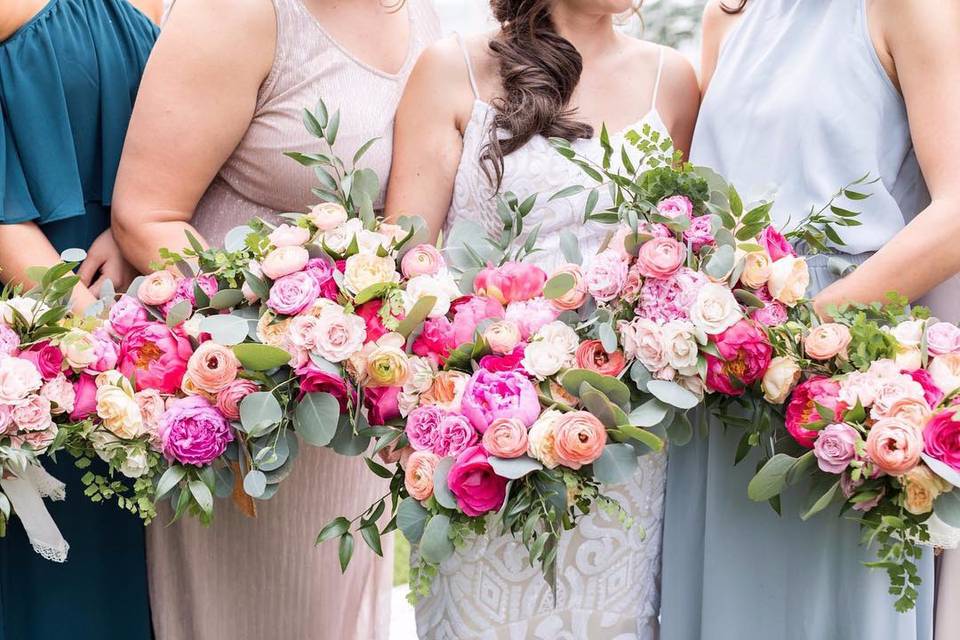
pixel 799 105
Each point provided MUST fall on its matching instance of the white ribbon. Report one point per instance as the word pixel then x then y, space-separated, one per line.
pixel 941 534
pixel 26 491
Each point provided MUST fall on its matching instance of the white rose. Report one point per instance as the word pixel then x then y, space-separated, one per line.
pixel 135 464
pixel 18 379
pixel 908 333
pixel 715 310
pixel 789 279
pixel 371 241
pixel 105 444
pixel 422 373
pixel 541 439
pixel 643 340
pixel 543 359
pixel 440 285
pixel 339 238
pixel 29 308
pixel 365 270
pixel 338 335
pixel 680 346
pixel 781 377
pixel 908 358
pixel 563 338
pixel 945 371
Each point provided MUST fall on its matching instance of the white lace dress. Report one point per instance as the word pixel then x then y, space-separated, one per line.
pixel 608 577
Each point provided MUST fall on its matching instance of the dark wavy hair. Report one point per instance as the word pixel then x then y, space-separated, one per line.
pixel 538 69
pixel 741 5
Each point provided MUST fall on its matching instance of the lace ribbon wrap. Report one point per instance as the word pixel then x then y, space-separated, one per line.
pixel 26 491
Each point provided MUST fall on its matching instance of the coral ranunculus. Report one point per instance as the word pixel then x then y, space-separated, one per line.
pixel 894 446
pixel 802 408
pixel 579 438
pixel 745 354
pixel 591 355
pixel 504 394
pixel 155 356
pixel 472 481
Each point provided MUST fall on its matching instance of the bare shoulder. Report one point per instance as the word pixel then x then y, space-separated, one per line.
pixel 255 19
pixel 677 79
pixel 440 83
pixel 912 19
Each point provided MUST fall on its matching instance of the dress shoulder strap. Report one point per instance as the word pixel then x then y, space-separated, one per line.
pixel 466 59
pixel 656 84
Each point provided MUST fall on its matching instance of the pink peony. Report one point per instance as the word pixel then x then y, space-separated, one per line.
pixel 283 261
pixel 194 432
pixel 321 270
pixel 745 354
pixel 106 351
pixel 293 293
pixel 381 403
pixel 773 314
pixel 229 398
pixel 314 380
pixel 942 338
pixel 125 314
pixel 802 409
pixel 675 207
pixel 505 394
pixel 512 282
pixel 532 315
pixel 436 341
pixel 155 356
pixel 47 358
pixel 423 428
pixel 606 275
pixel 469 312
pixel 699 234
pixel 508 362
pixel 941 438
pixel 9 341
pixel 475 485
pixel 289 236
pixel 894 446
pixel 663 300
pixel 775 244
pixel 931 392
pixel 85 397
pixel 836 448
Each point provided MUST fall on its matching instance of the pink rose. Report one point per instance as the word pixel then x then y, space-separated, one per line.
pixel 894 446
pixel 675 206
pixel 577 295
pixel 931 392
pixel 125 314
pixel 836 447
pixel 506 438
pixel 314 380
pixel 579 438
pixel 85 397
pixel 33 414
pixel 157 288
pixel 606 275
pixel 942 338
pixel 454 436
pixel 531 315
pixel 152 407
pixel 941 438
pixel 339 335
pixel 18 379
pixel 469 312
pixel 421 260
pixel 418 474
pixel 9 341
pixel 423 427
pixel 699 234
pixel 47 358
pixel 229 398
pixel 775 244
pixel 283 261
pixel 436 341
pixel 321 270
pixel 508 362
pixel 505 394
pixel 212 367
pixel 381 403
pixel 802 408
pixel 155 356
pixel 745 354
pixel 293 293
pixel 475 485
pixel 661 257
pixel 663 300
pixel 194 432
pixel 512 282
pixel 289 236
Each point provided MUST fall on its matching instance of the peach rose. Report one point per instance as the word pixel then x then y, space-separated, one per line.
pixel 756 269
pixel 577 295
pixel 283 261
pixel 779 380
pixel 894 446
pixel 945 371
pixel 366 269
pixel 446 390
pixel 541 439
pixel 418 474
pixel 920 488
pixel 912 410
pixel 579 439
pixel 827 341
pixel 505 438
pixel 271 332
pixel 212 367
pixel 157 288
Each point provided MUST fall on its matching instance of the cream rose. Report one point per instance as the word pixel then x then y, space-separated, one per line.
pixel 715 309
pixel 779 380
pixel 365 270
pixel 541 439
pixel 440 285
pixel 908 358
pixel 908 333
pixel 756 269
pixel 340 237
pixel 135 464
pixel 339 335
pixel 120 412
pixel 921 486
pixel 789 279
pixel 543 359
pixel 502 336
pixel 827 341
pixel 680 346
pixel 945 371
pixel 560 335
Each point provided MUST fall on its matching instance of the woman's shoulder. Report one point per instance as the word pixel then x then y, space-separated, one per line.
pixel 642 59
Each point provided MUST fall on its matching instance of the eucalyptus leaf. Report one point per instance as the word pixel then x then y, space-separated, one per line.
pixel 608 337
pixel 615 390
pixel 317 416
pixel 720 263
pixel 259 411
pixel 947 508
pixel 201 493
pixel 411 519
pixel 255 483
pixel 650 413
pixel 260 357
pixel 73 255
pixel 770 480
pixel 236 238
pixel 435 543
pixel 680 431
pixel 822 502
pixel 178 313
pixel 170 478
pixel 673 394
pixel 226 299
pixel 570 247
pixel 346 442
pixel 441 492
pixel 558 286
pixel 616 464
pixel 223 481
pixel 514 468
pixel 227 330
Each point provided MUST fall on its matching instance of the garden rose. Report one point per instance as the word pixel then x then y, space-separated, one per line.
pixel 541 439
pixel 418 474
pixel 502 336
pixel 271 330
pixel 908 357
pixel 155 356
pixel 789 279
pixel 605 276
pixel 421 260
pixel 157 288
pixel 511 282
pixel 340 238
pixel 339 335
pixel 18 379
pixel 440 285
pixel 680 346
pixel 292 294
pixel 836 447
pixel 365 270
pixel 32 414
pixel 909 333
pixel 79 348
pixel 125 314
pixel 894 446
pixel 194 432
pixel 469 312
pixel 575 297
pixel 283 261
pixel 660 257
pixel 327 215
pixel 212 367
pixel 911 410
pixel 381 403
pixel 945 371
pixel 779 380
pixel 941 437
pixel 289 236
pixel 314 380
pixel 543 359
pixel 802 408
pixel 446 390
pixel 475 485
pixel 531 315
pixel 756 269
pixel 119 411
pixel 436 341
pixel 85 397
pixel 579 438
pixel 9 341
pixel 775 244
pixel 60 393
pixel 592 356
pixel 921 486
pixel 423 427
pixel 826 341
pixel 675 207
pixel 505 394
pixel 715 309
pixel 454 436
pixel 643 340
pixel 506 438
pixel 152 406
pixel 893 389
pixel 47 358
pixel 745 354
pixel 943 337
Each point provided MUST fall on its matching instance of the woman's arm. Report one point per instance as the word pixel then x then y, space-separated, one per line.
pixel 427 142
pixel 195 103
pixel 680 97
pixel 717 24
pixel 922 41
pixel 24 245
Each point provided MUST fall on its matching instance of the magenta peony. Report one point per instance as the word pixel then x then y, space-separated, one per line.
pixel 745 354
pixel 504 394
pixel 469 312
pixel 155 356
pixel 941 438
pixel 802 408
pixel 512 282
pixel 194 432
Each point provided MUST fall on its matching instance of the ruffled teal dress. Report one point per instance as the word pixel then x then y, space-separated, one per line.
pixel 68 79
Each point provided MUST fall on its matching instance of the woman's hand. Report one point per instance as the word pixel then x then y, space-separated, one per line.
pixel 105 262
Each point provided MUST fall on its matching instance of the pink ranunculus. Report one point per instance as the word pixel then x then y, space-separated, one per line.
pixel 85 397
pixel 315 380
pixel 894 446
pixel 157 288
pixel 593 356
pixel 931 392
pixel 229 398
pixel 745 354
pixel 512 282
pixel 468 312
pixel 509 362
pixel 321 270
pixel 212 367
pixel 423 259
pixel 382 405
pixel 506 438
pixel 472 481
pixel 699 234
pixel 836 447
pixel 125 314
pixel 186 291
pixel 370 312
pixel 531 315
pixel 455 434
pixel 106 350
pixel 504 394
pixel 802 408
pixel 47 358
pixel 423 428
pixel 579 438
pixel 418 474
pixel 676 207
pixel 194 432
pixel 775 244
pixel 283 261
pixel 9 341
pixel 941 437
pixel 155 356
pixel 577 295
pixel 293 293
pixel 289 236
pixel 663 300
pixel 661 258
pixel 436 341
pixel 943 337
pixel 606 275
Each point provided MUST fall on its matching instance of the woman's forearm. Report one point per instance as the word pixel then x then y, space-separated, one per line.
pixel 141 242
pixel 23 245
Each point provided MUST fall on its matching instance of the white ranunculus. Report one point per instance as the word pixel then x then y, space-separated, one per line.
pixel 715 310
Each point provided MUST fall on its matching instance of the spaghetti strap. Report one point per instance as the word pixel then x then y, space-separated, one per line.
pixel 656 84
pixel 466 59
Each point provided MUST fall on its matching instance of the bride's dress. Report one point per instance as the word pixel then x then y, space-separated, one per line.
pixel 608 577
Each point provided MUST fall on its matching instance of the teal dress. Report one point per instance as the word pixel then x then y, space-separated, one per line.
pixel 68 79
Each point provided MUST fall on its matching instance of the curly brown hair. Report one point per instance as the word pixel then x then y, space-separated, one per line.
pixel 741 5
